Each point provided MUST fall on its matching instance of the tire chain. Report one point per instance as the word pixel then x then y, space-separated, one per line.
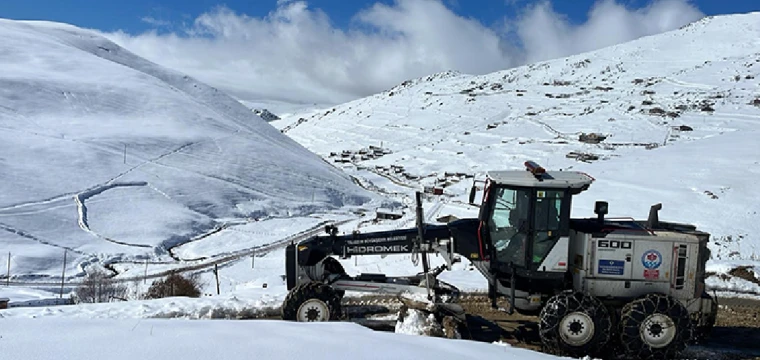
pixel 568 302
pixel 635 312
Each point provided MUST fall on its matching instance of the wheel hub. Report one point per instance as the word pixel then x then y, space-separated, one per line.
pixel 313 310
pixel 658 330
pixel 576 329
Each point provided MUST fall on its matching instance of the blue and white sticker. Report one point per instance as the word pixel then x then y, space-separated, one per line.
pixel 652 259
pixel 611 267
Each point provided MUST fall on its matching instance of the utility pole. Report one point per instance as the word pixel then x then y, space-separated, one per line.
pixel 125 153
pixel 216 273
pixel 145 276
pixel 63 274
pixel 8 280
pixel 253 258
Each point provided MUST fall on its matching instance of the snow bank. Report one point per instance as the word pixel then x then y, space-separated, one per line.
pixel 254 303
pixel 24 294
pixel 723 277
pixel 157 339
pixel 732 284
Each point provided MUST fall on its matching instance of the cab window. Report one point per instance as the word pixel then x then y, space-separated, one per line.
pixel 548 223
pixel 508 225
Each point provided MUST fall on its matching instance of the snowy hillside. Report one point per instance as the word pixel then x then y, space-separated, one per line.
pixel 117 159
pixel 678 116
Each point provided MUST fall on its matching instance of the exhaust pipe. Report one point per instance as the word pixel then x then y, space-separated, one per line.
pixel 654 220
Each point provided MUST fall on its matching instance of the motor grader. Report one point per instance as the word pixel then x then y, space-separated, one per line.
pixel 599 285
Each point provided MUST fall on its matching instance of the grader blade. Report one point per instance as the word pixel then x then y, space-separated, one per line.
pixel 427 318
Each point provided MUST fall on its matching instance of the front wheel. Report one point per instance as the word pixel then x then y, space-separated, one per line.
pixel 312 302
pixel 574 324
pixel 655 326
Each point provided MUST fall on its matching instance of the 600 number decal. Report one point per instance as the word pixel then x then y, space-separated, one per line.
pixel 615 244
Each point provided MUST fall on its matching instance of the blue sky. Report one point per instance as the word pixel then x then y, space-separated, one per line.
pixel 332 51
pixel 129 15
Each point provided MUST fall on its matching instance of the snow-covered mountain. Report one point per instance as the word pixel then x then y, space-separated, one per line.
pixel 678 116
pixel 112 157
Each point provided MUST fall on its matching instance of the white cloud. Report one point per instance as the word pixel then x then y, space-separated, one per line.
pixel 547 34
pixel 296 53
pixel 155 22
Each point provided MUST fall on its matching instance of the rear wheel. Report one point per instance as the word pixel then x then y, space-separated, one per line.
pixel 574 324
pixel 655 326
pixel 312 302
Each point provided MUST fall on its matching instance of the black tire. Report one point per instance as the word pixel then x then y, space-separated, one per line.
pixel 314 301
pixel 333 266
pixel 655 326
pixel 574 324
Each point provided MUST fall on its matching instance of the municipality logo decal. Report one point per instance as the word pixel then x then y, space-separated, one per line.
pixel 651 259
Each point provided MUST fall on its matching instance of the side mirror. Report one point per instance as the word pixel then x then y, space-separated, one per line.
pixel 474 192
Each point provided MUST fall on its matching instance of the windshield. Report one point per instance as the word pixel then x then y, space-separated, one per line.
pixel 514 220
pixel 509 225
